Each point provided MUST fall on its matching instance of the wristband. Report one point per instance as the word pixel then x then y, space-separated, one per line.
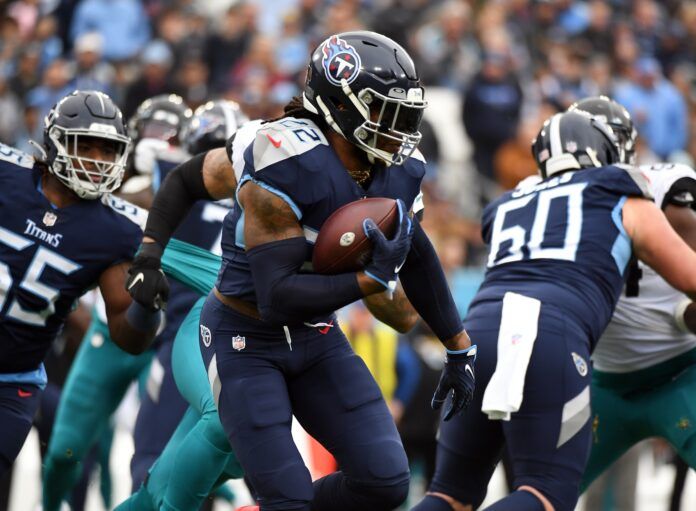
pixel 141 318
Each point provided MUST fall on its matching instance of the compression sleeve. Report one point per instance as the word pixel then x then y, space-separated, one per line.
pixel 182 187
pixel 426 287
pixel 285 296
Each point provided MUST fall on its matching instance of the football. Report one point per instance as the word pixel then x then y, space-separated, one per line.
pixel 342 245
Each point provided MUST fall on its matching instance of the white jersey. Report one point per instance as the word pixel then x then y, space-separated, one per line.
pixel 642 332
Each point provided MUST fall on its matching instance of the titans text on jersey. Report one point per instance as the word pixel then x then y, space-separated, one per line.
pixel 50 256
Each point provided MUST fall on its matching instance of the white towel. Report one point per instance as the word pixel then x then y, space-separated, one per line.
pixel 518 331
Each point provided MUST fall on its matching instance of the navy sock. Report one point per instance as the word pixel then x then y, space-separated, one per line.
pixel 432 503
pixel 518 501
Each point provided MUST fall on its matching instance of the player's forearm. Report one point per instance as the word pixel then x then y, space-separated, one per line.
pixel 181 189
pixel 131 333
pixel 395 311
pixel 285 296
pixel 427 289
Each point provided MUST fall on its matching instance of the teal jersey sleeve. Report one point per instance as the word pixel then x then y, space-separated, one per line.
pixel 192 266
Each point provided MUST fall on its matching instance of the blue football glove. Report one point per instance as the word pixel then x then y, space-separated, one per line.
pixel 388 256
pixel 458 377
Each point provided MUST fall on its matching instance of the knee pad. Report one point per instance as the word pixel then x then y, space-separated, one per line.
pixel 215 433
pixel 385 496
pixel 288 487
pixel 65 447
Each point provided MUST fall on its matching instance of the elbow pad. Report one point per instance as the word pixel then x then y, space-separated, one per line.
pixel 426 287
pixel 182 187
pixel 285 296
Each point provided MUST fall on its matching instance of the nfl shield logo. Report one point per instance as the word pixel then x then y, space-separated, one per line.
pixel 238 342
pixel 49 218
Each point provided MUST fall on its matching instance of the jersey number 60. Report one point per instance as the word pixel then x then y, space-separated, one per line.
pixel 529 239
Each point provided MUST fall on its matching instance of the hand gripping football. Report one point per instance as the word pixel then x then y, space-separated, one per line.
pixel 341 245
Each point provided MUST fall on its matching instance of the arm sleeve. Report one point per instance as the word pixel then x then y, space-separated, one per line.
pixel 426 287
pixel 407 372
pixel 285 296
pixel 182 187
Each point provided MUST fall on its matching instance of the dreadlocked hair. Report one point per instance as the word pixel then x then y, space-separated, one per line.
pixel 295 108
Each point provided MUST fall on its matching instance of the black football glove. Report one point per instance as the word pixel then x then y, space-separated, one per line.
pixel 388 256
pixel 146 282
pixel 457 376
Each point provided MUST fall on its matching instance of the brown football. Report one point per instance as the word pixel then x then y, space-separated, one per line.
pixel 342 245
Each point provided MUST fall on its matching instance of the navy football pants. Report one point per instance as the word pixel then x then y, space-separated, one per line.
pixel 18 404
pixel 332 394
pixel 554 411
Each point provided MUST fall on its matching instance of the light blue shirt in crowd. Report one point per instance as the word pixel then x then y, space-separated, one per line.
pixel 660 115
pixel 123 24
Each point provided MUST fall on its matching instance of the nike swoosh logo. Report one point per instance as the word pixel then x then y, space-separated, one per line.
pixel 138 278
pixel 397 268
pixel 467 368
pixel 276 143
pixel 23 393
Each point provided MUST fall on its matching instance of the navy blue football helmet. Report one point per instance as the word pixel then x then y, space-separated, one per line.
pixel 573 141
pixel 160 117
pixel 79 117
pixel 211 125
pixel 367 89
pixel 617 118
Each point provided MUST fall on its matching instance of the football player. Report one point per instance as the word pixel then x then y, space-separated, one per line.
pixel 90 396
pixel 200 439
pixel 62 233
pixel 162 406
pixel 644 366
pixel 559 250
pixel 82 416
pixel 272 342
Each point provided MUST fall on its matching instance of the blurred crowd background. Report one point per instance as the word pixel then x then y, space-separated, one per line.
pixel 505 64
pixel 494 71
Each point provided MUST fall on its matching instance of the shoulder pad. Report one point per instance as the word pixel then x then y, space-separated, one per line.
pixel 15 156
pixel 639 177
pixel 416 154
pixel 237 144
pixel 285 138
pixel 132 212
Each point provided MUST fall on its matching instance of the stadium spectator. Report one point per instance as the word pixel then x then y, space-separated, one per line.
pixel 157 60
pixel 123 23
pixel 491 110
pixel 657 108
pixel 90 71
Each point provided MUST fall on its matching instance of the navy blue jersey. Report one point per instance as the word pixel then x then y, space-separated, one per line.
pixel 562 241
pixel 50 256
pixel 201 227
pixel 292 159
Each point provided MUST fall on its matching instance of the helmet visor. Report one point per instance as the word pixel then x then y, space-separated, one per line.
pixel 394 124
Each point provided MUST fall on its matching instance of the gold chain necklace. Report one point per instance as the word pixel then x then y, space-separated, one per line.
pixel 360 176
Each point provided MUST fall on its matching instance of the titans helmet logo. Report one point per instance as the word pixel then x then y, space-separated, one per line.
pixel 340 60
